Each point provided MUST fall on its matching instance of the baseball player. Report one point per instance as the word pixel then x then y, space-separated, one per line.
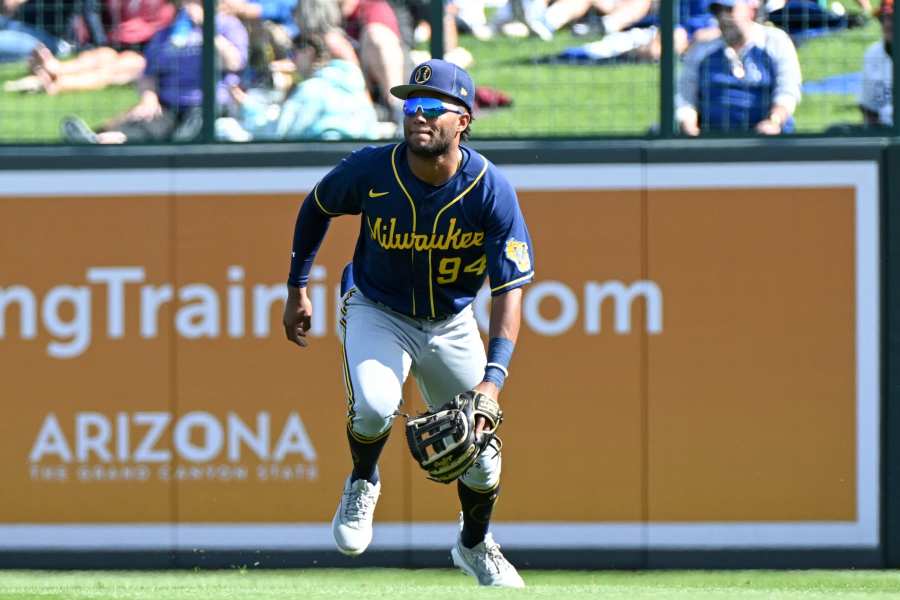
pixel 436 218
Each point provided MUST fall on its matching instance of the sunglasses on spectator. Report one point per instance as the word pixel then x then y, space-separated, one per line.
pixel 431 107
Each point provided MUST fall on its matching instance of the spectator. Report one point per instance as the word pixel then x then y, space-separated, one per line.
pixel 470 14
pixel 323 18
pixel 133 23
pixel 25 25
pixel 415 29
pixel 170 89
pixel 617 15
pixel 330 102
pixel 373 27
pixel 643 42
pixel 804 19
pixel 278 12
pixel 365 32
pixel 876 100
pixel 271 26
pixel 130 26
pixel 746 80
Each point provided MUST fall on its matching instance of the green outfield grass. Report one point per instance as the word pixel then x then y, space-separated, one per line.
pixel 396 584
pixel 555 100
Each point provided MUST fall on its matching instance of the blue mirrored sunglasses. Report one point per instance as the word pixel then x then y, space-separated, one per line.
pixel 431 107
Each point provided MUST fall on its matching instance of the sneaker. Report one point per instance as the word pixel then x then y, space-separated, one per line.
pixel 190 128
pixel 486 563
pixel 352 523
pixel 593 27
pixel 75 130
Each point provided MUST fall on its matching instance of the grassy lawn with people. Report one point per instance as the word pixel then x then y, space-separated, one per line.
pixel 550 99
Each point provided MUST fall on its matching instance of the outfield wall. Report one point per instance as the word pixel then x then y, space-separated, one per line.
pixel 699 371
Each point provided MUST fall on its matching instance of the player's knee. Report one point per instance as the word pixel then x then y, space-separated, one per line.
pixel 479 480
pixel 371 422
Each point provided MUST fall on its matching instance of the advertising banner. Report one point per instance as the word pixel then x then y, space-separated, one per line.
pixel 697 367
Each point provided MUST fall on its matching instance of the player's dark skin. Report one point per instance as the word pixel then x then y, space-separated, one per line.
pixel 433 144
pixel 434 157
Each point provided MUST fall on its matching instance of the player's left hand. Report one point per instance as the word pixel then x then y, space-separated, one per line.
pixel 446 441
pixel 488 389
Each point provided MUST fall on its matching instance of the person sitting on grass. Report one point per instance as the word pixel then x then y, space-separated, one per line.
pixel 171 91
pixel 63 26
pixel 329 103
pixel 804 19
pixel 617 15
pixel 120 61
pixel 374 31
pixel 271 27
pixel 876 101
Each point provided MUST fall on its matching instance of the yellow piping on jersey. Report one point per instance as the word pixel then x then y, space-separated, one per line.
pixel 513 282
pixel 348 384
pixel 412 205
pixel 437 219
pixel 346 372
pixel 366 440
pixel 322 208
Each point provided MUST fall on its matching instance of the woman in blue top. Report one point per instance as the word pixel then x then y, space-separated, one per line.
pixel 330 102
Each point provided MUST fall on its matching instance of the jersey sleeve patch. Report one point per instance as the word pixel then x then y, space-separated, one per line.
pixel 517 252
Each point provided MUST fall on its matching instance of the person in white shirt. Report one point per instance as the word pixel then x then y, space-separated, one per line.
pixel 876 99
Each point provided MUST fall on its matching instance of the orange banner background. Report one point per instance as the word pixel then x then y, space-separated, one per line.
pixel 741 408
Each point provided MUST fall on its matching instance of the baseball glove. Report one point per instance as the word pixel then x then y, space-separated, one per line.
pixel 444 442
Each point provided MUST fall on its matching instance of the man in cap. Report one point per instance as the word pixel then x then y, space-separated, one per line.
pixel 746 80
pixel 437 219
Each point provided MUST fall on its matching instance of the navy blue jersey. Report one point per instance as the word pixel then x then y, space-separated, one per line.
pixel 733 90
pixel 736 97
pixel 422 250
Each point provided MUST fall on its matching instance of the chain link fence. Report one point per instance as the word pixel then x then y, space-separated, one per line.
pixel 136 71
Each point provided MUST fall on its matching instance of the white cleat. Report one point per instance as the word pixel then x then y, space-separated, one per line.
pixel 352 523
pixel 486 563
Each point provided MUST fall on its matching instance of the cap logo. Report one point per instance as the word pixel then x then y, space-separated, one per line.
pixel 463 92
pixel 422 74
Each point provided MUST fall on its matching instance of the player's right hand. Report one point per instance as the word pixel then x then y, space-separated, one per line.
pixel 297 316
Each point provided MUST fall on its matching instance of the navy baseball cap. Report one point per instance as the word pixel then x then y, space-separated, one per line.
pixel 437 75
